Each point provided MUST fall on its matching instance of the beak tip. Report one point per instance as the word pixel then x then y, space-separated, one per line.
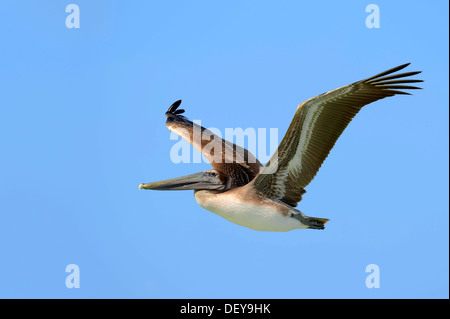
pixel 141 186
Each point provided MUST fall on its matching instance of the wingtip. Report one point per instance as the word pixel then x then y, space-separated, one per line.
pixel 382 76
pixel 174 106
pixel 400 67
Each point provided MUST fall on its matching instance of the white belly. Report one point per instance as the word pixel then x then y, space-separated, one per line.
pixel 258 217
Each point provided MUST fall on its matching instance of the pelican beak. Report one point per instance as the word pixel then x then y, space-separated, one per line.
pixel 202 180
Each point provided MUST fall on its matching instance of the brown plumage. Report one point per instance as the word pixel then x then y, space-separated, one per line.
pixel 236 165
pixel 315 128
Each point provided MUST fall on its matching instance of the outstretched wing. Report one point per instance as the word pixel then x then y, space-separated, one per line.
pixel 317 124
pixel 236 165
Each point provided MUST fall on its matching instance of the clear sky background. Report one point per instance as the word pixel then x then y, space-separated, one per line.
pixel 82 125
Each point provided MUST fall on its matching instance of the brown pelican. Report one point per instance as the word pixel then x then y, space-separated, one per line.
pixel 243 191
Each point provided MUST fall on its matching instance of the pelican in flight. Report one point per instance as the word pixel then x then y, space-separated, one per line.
pixel 240 189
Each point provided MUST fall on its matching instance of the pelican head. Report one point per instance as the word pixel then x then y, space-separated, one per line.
pixel 206 180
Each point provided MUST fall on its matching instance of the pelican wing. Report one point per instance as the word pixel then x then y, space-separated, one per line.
pixel 236 165
pixel 315 128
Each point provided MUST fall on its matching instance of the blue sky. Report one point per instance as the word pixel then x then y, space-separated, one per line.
pixel 82 125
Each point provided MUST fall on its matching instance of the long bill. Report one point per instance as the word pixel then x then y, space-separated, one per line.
pixel 202 180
